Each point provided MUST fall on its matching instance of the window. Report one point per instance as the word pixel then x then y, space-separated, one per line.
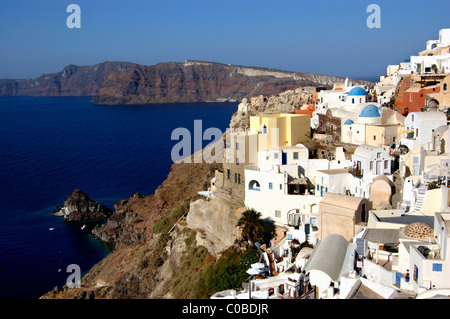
pixel 410 98
pixel 239 178
pixel 445 87
pixel 437 267
pixel 353 101
pixel 386 164
pixel 276 155
pixel 270 186
pixel 235 177
pixel 412 118
pixel 416 273
pixel 295 155
pixel 374 137
pixel 237 160
pixel 378 155
pixel 237 146
pixel 254 185
pixel 371 165
pixel 228 173
pixel 281 186
pixel 415 160
pixel 278 213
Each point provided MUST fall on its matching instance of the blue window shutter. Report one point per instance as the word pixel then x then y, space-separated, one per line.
pixel 437 267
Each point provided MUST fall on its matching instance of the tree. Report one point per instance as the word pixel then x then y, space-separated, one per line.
pixel 252 225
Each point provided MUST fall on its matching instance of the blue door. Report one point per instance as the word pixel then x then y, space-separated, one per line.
pixel 283 158
pixel 307 229
pixel 398 278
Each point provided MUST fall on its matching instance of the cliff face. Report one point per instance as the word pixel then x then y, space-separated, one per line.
pixel 195 81
pixel 141 262
pixel 192 81
pixel 73 80
pixel 285 102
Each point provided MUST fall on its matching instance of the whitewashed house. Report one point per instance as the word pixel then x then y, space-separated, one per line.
pixel 419 128
pixel 368 162
pixel 278 195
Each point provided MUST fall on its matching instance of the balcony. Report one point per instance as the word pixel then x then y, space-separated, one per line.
pixel 357 172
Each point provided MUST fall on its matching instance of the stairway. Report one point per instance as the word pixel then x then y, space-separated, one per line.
pixel 420 197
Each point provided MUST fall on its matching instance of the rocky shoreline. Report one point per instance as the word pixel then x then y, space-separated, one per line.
pixel 138 265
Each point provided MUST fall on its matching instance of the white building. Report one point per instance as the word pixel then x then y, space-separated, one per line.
pixel 444 40
pixel 278 196
pixel 419 128
pixel 433 64
pixel 368 163
pixel 333 257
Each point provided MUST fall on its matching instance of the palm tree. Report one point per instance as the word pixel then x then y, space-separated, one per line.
pixel 252 225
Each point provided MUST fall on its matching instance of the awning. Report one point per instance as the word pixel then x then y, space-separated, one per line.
pixel 258 265
pixel 381 235
pixel 253 271
pixel 298 181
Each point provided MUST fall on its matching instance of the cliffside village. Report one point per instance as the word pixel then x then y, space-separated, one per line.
pixel 360 175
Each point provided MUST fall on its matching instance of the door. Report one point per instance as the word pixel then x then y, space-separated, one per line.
pixel 283 158
pixel 379 168
pixel 398 278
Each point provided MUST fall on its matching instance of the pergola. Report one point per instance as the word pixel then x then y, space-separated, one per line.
pixel 381 236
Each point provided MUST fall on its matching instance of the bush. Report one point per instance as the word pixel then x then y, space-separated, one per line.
pixel 164 225
pixel 230 271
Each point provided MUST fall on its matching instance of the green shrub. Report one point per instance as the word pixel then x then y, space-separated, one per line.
pixel 164 225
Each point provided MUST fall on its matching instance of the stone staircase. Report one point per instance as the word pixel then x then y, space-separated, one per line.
pixel 420 196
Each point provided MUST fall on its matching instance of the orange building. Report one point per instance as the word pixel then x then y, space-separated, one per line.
pixel 308 110
pixel 414 99
pixel 311 107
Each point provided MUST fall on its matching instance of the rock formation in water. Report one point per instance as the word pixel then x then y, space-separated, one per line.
pixel 78 207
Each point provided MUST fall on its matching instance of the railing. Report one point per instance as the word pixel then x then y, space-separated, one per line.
pixel 358 172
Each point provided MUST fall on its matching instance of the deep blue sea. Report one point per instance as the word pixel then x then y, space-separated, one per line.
pixel 49 147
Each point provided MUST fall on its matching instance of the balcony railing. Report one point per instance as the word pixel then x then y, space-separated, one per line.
pixel 358 172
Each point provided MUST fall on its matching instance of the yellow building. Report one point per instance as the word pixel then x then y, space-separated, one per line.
pixel 277 130
pixel 384 135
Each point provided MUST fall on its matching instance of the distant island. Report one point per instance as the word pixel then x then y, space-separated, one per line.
pixel 112 83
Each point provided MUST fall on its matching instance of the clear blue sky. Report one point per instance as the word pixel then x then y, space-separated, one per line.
pixel 325 37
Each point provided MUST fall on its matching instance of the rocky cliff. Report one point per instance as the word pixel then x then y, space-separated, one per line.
pixel 191 81
pixel 143 261
pixel 286 102
pixel 73 80
pixel 195 81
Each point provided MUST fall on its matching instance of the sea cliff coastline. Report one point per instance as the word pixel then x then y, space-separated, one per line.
pixel 138 265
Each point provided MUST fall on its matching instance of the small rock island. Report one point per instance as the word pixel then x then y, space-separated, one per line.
pixel 78 207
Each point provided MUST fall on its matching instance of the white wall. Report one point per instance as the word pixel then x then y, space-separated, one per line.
pixel 358 133
pixel 267 201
